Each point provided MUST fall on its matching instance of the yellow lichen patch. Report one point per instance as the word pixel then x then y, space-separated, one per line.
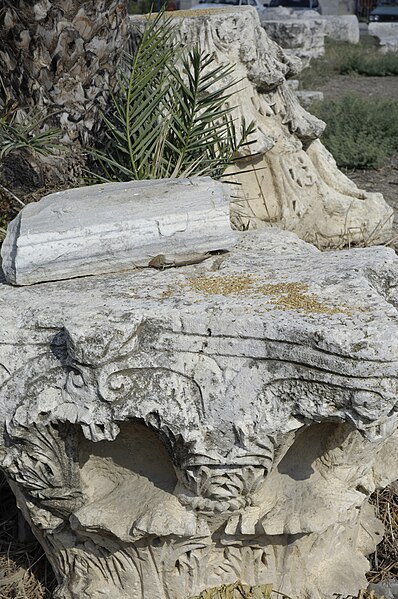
pixel 223 284
pixel 295 296
pixel 285 296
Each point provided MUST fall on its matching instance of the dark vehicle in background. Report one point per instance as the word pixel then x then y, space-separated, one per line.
pixel 297 4
pixel 386 11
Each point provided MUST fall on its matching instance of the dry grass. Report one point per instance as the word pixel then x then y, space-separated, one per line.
pixel 24 570
pixel 241 591
pixel 18 583
pixel 238 590
pixel 385 558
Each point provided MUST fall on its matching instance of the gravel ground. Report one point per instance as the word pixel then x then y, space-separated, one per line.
pixel 369 87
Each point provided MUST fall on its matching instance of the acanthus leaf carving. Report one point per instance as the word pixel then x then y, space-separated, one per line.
pixel 41 461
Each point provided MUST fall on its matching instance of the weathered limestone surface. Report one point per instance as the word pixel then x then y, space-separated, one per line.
pixel 344 28
pixel 292 182
pixel 168 431
pixel 300 34
pixel 387 34
pixel 114 227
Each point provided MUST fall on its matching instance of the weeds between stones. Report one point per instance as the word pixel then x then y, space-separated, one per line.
pixel 25 572
pixel 361 132
pixel 385 558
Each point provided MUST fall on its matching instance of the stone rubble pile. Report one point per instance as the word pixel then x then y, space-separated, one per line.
pixel 302 33
pixel 292 182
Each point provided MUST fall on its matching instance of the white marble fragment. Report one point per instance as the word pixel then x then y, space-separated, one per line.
pixel 387 35
pixel 344 28
pixel 115 226
pixel 306 97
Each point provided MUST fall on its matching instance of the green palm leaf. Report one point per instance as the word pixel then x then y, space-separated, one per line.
pixel 169 116
pixel 31 132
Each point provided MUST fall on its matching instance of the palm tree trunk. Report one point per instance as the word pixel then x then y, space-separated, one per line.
pixel 61 55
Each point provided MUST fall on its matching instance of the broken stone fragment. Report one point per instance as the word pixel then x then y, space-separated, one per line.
pixel 300 35
pixel 116 226
pixel 386 34
pixel 292 182
pixel 344 28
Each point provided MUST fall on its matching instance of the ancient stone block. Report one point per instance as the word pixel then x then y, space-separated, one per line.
pixel 387 34
pixel 116 226
pixel 343 28
pixel 307 97
pixel 300 34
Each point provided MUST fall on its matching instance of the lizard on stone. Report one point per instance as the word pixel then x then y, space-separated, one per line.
pixel 162 261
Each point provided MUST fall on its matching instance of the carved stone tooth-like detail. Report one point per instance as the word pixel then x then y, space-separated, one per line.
pixel 300 122
pixel 228 483
pixel 221 489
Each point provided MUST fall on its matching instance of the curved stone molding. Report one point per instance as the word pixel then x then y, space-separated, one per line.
pixel 80 232
pixel 167 432
pixel 292 182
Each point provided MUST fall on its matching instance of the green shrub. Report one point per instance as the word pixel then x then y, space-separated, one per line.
pixel 360 133
pixel 140 7
pixel 368 62
pixel 343 58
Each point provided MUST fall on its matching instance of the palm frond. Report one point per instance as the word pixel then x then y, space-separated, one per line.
pixel 29 131
pixel 170 115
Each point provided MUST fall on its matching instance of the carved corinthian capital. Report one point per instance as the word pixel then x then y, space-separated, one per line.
pixel 168 432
